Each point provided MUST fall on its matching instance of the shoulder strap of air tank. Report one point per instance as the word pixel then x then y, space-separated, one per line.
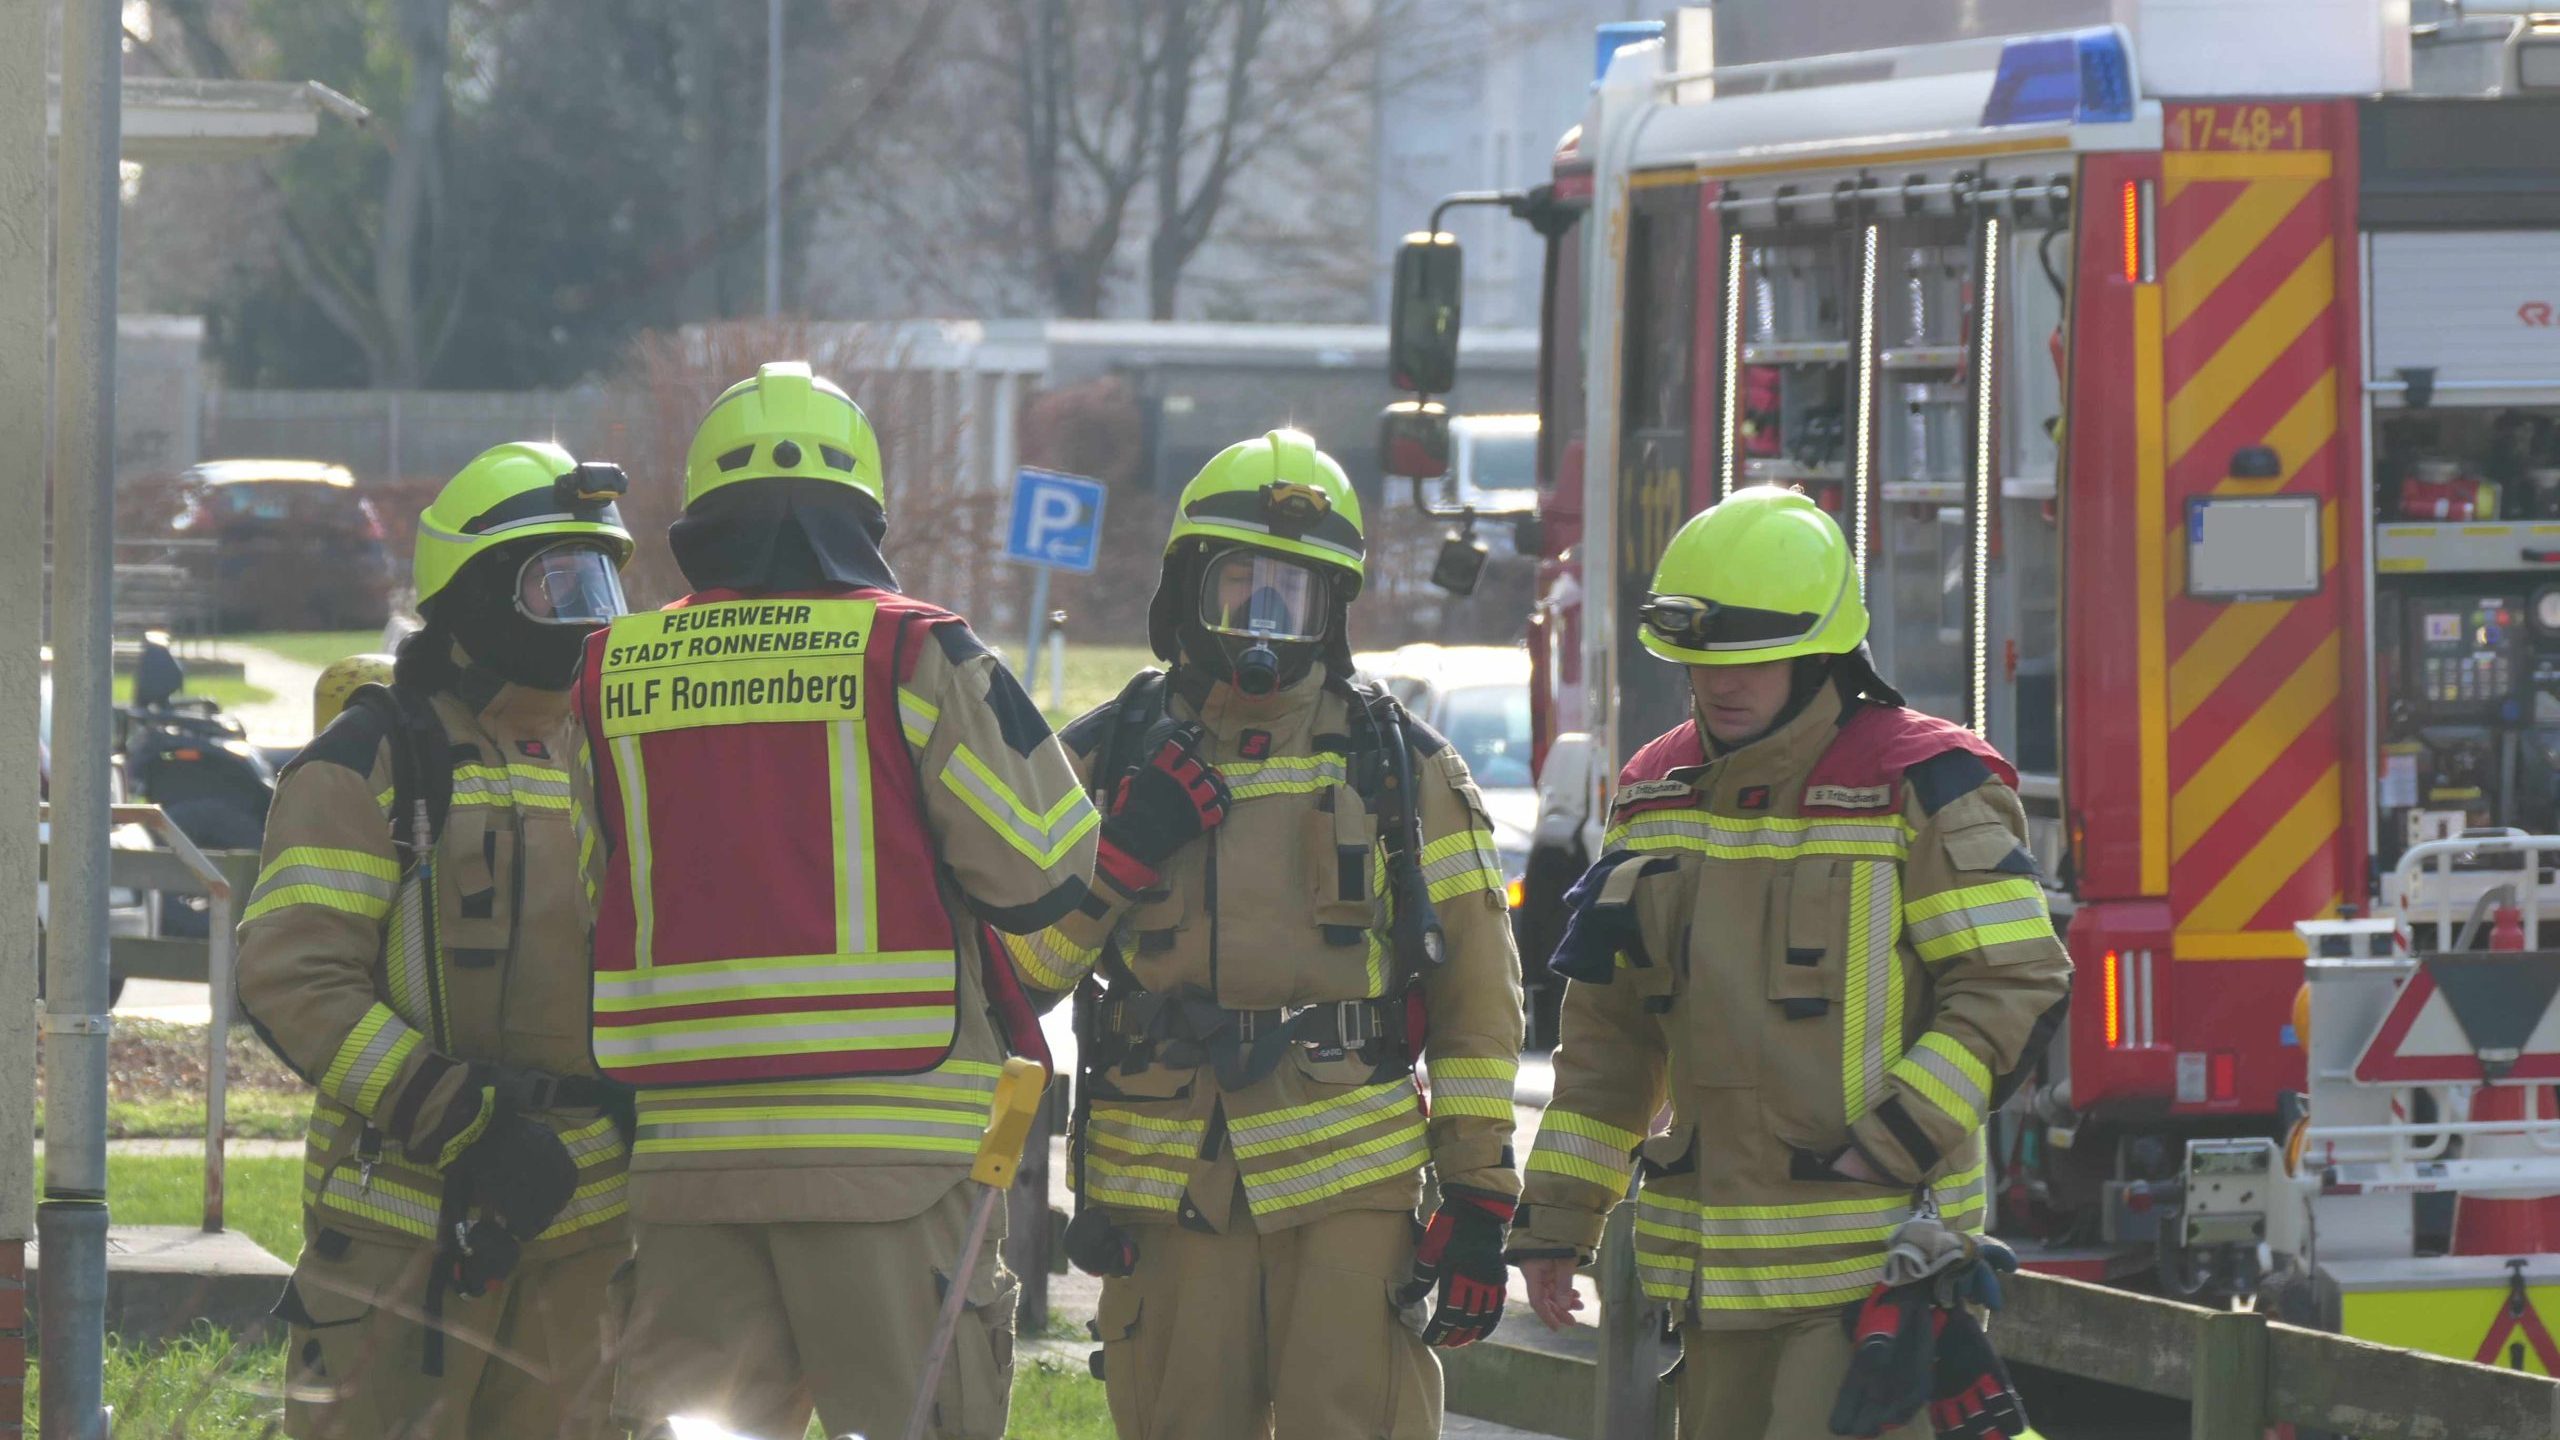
pixel 1135 711
pixel 421 756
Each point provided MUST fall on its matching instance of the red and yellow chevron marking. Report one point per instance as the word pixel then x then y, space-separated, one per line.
pixel 2251 354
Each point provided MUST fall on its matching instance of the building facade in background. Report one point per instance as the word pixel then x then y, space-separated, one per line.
pixel 1475 100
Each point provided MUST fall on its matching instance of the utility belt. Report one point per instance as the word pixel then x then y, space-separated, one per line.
pixel 531 1092
pixel 1138 1029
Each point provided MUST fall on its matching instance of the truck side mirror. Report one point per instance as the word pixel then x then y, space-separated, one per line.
pixel 1460 564
pixel 1413 440
pixel 1422 326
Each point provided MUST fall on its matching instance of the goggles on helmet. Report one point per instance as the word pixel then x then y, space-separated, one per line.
pixel 1258 595
pixel 572 583
pixel 1691 623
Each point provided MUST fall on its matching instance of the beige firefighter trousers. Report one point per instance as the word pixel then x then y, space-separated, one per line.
pixel 753 1325
pixel 1773 1384
pixel 1243 1335
pixel 524 1362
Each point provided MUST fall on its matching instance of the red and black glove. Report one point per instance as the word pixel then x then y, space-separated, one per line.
pixel 1893 1340
pixel 1973 1398
pixel 1460 1253
pixel 1173 798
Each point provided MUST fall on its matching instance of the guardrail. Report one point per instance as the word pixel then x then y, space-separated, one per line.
pixel 188 870
pixel 2239 1372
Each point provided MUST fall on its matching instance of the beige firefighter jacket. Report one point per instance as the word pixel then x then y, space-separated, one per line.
pixel 1242 916
pixel 1806 984
pixel 329 980
pixel 1015 836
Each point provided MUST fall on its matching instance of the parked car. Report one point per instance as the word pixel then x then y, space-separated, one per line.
pixel 294 546
pixel 1478 697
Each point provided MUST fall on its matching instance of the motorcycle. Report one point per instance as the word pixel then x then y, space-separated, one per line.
pixel 196 763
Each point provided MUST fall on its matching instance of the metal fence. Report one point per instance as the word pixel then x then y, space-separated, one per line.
pixel 389 435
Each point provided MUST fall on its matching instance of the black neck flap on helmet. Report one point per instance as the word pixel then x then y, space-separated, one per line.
pixel 782 533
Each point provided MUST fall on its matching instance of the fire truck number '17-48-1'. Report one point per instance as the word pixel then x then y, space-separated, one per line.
pixel 2236 127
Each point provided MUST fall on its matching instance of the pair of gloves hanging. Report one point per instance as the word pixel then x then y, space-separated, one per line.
pixel 1917 1344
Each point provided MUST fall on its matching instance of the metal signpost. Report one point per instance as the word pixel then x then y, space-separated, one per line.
pixel 1057 525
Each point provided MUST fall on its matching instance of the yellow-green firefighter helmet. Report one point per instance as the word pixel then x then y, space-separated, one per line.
pixel 1765 575
pixel 517 491
pixel 343 678
pixel 785 423
pixel 1276 492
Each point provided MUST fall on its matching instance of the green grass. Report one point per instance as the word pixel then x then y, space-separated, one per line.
pixel 261 1195
pixel 1095 673
pixel 201 1388
pixel 228 693
pixel 255 1115
pixel 1057 1401
pixel 315 648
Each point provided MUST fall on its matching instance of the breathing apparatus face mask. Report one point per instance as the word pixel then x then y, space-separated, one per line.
pixel 1266 613
pixel 527 619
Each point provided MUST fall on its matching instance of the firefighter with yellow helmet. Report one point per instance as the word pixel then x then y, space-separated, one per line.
pixel 1297 902
pixel 415 948
pixel 814 795
pixel 1817 934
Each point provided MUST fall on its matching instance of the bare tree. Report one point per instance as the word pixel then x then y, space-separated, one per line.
pixel 1145 116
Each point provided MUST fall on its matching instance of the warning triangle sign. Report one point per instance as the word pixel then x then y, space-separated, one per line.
pixel 2480 1016
pixel 2517 1339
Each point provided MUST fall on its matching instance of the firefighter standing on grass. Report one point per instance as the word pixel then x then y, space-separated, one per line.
pixel 814 793
pixel 1817 934
pixel 1276 936
pixel 415 947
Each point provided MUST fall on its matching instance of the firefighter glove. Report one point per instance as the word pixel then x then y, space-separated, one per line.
pixel 482 1257
pixel 1594 933
pixel 1892 1335
pixel 1098 1245
pixel 1973 1398
pixel 1460 1255
pixel 1171 799
pixel 519 1173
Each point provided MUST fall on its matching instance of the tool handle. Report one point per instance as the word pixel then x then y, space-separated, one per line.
pixel 1017 1101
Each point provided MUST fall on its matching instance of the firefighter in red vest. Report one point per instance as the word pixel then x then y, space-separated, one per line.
pixel 814 795
pixel 1817 934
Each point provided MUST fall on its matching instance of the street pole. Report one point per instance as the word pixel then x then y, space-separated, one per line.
pixel 773 159
pixel 71 1223
pixel 24 160
pixel 1030 674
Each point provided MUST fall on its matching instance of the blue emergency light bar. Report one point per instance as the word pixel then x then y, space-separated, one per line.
pixel 2084 78
pixel 1617 35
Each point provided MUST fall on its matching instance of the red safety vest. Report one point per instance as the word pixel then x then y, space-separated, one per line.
pixel 770 910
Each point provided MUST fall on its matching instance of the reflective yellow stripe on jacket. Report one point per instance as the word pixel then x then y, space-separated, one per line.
pixel 1304 1153
pixel 348 880
pixel 941 1111
pixel 1140 1161
pixel 1766 837
pixel 394 1191
pixel 1780 1257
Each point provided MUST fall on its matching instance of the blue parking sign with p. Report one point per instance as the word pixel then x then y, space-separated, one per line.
pixel 1057 521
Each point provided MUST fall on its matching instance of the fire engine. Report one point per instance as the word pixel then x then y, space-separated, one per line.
pixel 2188 375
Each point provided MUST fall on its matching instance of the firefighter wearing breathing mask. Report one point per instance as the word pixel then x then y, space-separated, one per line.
pixel 416 948
pixel 1297 903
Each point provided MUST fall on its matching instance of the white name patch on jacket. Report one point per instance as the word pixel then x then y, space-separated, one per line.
pixel 1848 797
